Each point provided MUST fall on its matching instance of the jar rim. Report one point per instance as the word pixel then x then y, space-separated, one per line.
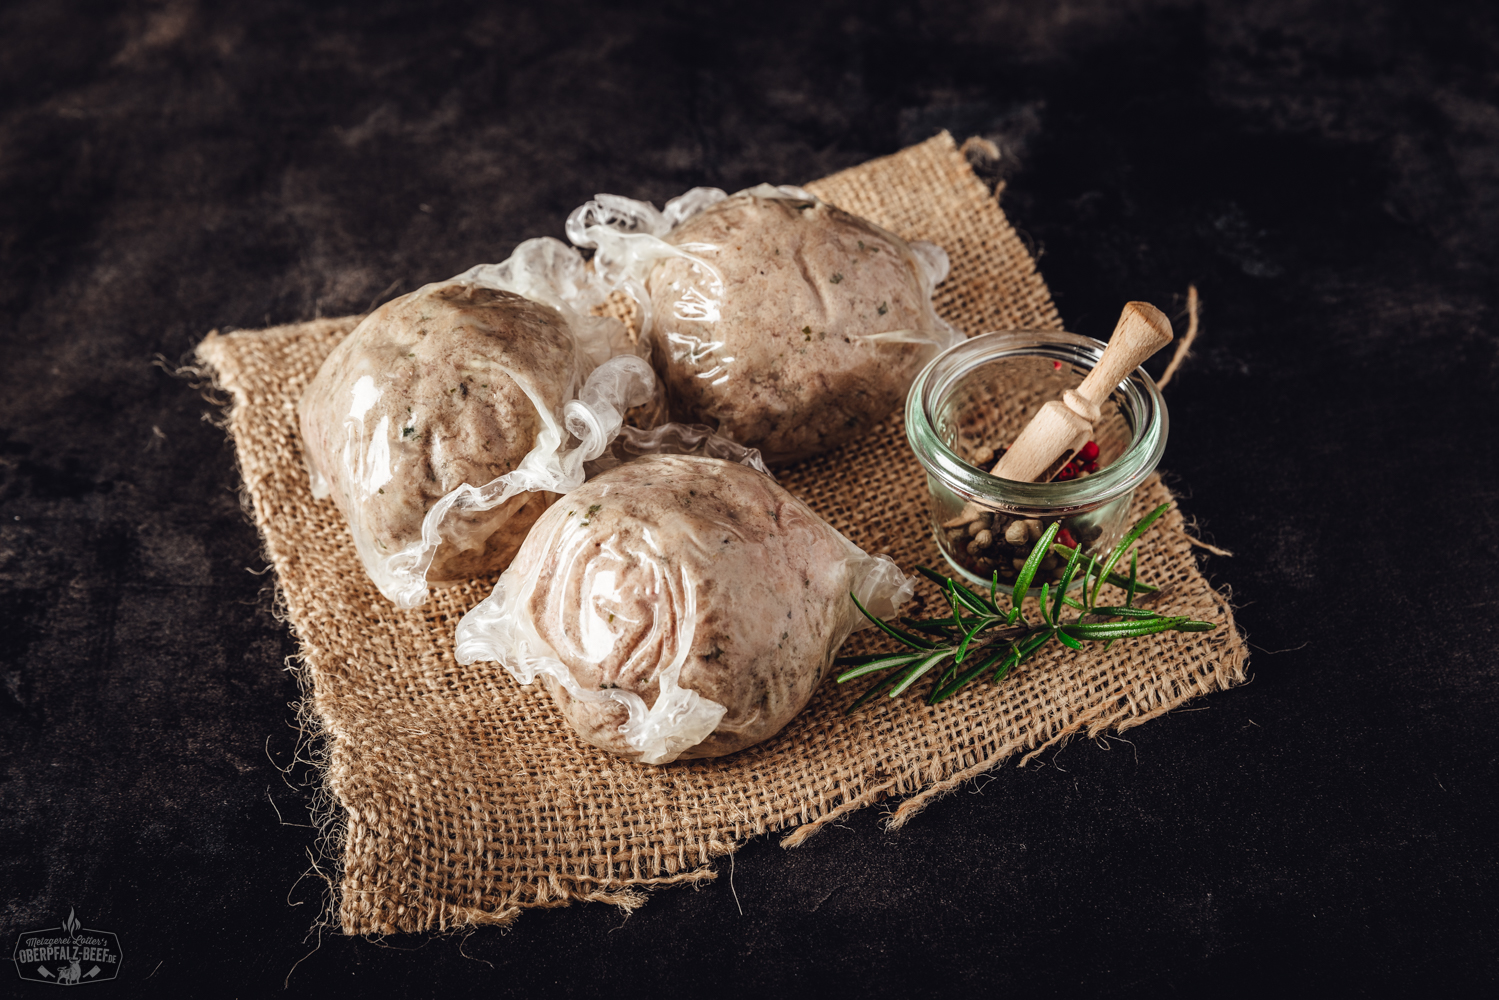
pixel 1143 398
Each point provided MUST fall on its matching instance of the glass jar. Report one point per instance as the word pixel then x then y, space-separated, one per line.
pixel 973 399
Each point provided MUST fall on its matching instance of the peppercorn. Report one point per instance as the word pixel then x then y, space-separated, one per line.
pixel 1084 460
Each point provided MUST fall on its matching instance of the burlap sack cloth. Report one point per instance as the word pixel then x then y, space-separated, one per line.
pixel 467 797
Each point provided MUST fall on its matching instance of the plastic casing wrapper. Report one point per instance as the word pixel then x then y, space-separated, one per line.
pixel 678 606
pixel 782 321
pixel 500 370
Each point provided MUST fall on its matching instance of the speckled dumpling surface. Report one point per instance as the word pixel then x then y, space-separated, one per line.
pixel 427 394
pixel 774 349
pixel 676 557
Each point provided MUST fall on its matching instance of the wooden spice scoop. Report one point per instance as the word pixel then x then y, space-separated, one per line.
pixel 1062 426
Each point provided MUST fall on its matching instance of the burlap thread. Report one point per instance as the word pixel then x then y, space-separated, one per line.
pixel 467 799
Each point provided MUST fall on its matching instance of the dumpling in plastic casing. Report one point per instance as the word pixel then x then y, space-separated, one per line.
pixel 810 333
pixel 677 606
pixel 435 389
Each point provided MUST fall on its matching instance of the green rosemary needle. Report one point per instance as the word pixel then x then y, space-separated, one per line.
pixel 980 638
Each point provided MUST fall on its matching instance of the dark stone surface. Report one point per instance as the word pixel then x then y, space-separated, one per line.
pixel 1326 173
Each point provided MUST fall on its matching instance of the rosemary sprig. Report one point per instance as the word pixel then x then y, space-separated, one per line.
pixel 980 638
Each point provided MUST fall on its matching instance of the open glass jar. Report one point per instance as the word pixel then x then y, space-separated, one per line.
pixel 974 399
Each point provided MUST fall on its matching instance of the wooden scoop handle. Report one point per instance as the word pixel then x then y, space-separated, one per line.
pixel 1063 426
pixel 1142 330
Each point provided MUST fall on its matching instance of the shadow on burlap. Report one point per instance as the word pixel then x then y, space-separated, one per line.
pixel 467 797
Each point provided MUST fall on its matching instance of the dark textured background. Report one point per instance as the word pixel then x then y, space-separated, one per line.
pixel 1327 174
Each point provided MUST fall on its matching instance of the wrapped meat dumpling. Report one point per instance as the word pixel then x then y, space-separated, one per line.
pixel 678 606
pixel 440 424
pixel 437 377
pixel 782 321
